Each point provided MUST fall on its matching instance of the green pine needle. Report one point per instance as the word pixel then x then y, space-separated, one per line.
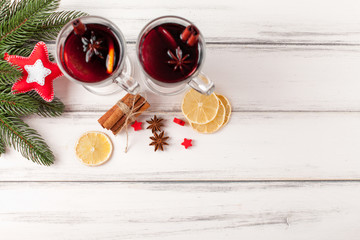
pixel 22 20
pixel 26 140
pixel 22 24
pixel 2 146
pixel 16 105
pixel 8 73
pixel 23 104
pixel 23 50
pixel 4 9
pixel 50 28
pixel 47 109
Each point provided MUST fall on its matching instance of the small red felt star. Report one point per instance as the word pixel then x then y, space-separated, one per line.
pixel 186 143
pixel 38 73
pixel 136 125
pixel 179 121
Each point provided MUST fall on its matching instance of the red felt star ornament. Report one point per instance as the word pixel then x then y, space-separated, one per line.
pixel 186 143
pixel 136 125
pixel 38 73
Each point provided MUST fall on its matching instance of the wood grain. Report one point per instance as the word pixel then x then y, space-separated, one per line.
pixel 179 211
pixel 256 78
pixel 290 70
pixel 253 146
pixel 257 21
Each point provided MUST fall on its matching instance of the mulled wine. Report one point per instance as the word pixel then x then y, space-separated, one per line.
pixel 91 52
pixel 169 52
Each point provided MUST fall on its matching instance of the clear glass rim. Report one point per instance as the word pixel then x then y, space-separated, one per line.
pixel 167 19
pixel 95 20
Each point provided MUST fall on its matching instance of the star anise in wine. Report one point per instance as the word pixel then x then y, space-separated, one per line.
pixel 158 140
pixel 178 59
pixel 92 46
pixel 155 124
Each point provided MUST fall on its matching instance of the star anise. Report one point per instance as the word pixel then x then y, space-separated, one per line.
pixel 92 46
pixel 155 124
pixel 177 59
pixel 158 141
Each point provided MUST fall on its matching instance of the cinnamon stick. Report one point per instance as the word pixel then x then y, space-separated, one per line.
pixel 116 117
pixel 119 124
pixel 129 100
pixel 190 35
pixel 193 39
pixel 104 117
pixel 143 108
pixel 186 33
pixel 79 27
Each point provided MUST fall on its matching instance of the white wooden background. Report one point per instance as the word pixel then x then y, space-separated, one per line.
pixel 287 166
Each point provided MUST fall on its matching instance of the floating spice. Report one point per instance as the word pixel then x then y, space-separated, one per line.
pixel 92 46
pixel 79 27
pixel 178 60
pixel 190 35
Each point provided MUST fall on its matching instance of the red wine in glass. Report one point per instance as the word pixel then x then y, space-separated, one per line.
pixel 91 55
pixel 165 54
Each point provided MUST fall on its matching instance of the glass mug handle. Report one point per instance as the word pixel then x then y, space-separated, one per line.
pixel 202 84
pixel 127 83
pixel 125 79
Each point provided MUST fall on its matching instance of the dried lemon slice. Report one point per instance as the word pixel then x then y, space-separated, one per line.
pixel 93 148
pixel 214 125
pixel 227 105
pixel 199 108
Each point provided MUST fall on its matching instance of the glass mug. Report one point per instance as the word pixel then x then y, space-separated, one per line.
pixel 171 52
pixel 91 51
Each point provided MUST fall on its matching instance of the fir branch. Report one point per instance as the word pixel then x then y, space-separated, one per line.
pixel 23 104
pixel 2 146
pixel 4 4
pixel 8 74
pixel 47 109
pixel 50 28
pixel 23 50
pixel 4 9
pixel 16 105
pixel 22 22
pixel 51 109
pixel 26 140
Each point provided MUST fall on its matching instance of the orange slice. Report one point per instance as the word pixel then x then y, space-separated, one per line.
pixel 227 105
pixel 199 108
pixel 93 148
pixel 110 59
pixel 214 125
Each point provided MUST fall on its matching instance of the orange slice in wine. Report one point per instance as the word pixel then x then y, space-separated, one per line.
pixel 170 39
pixel 110 58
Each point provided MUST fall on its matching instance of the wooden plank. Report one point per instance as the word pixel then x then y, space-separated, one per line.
pixel 250 21
pixel 253 146
pixel 179 210
pixel 257 78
